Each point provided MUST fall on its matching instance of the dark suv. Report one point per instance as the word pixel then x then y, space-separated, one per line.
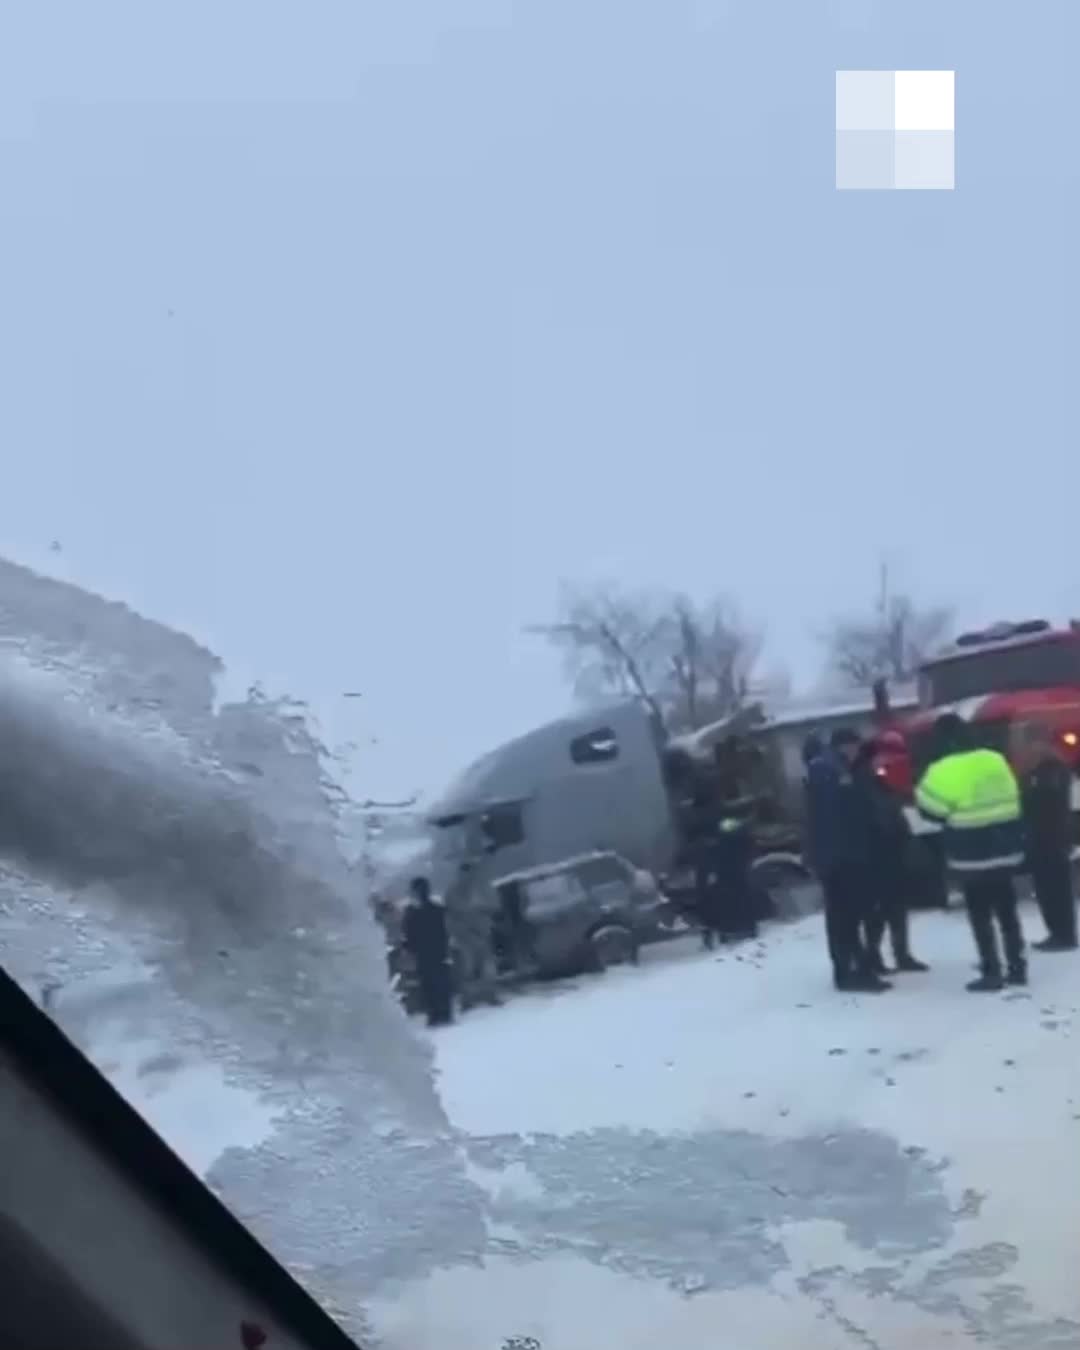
pixel 582 913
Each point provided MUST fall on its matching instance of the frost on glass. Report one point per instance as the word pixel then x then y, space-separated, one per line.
pixel 173 889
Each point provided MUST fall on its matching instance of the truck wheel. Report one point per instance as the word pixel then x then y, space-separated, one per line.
pixel 612 945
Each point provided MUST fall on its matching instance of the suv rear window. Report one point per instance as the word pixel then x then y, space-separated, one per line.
pixel 602 871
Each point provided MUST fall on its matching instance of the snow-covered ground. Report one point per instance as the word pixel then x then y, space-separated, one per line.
pixel 722 1151
pixel 705 1151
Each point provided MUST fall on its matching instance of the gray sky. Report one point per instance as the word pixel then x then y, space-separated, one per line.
pixel 338 333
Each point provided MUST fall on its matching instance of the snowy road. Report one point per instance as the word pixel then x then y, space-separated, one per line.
pixel 710 1143
pixel 702 1151
pixel 665 1154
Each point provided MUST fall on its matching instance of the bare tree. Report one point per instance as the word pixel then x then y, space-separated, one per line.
pixel 711 657
pixel 890 643
pixel 612 643
pixel 689 664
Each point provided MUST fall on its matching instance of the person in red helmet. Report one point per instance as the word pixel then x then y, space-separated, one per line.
pixel 892 763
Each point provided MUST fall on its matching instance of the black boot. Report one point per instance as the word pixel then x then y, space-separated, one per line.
pixel 1053 944
pixel 901 943
pixel 867 983
pixel 986 984
pixel 860 983
pixel 1017 975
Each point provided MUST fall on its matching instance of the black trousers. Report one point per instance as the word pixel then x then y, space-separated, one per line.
pixel 939 870
pixel 710 912
pixel 726 907
pixel 889 911
pixel 1051 873
pixel 991 907
pixel 739 912
pixel 847 910
pixel 436 991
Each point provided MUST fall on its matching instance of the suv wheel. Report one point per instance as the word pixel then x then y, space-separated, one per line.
pixel 612 945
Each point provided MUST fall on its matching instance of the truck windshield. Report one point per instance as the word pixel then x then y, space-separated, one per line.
pixel 1034 665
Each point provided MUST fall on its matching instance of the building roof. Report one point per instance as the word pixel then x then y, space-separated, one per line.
pixel 798 713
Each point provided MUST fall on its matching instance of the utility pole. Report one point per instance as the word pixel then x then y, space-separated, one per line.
pixel 883 591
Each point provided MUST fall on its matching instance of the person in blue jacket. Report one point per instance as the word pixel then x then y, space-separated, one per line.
pixel 839 849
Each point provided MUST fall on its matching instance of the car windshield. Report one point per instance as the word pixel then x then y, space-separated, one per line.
pixel 1033 665
pixel 447 441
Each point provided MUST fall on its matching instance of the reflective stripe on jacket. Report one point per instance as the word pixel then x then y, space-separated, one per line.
pixel 975 796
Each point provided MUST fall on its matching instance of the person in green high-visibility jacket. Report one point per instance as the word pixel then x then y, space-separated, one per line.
pixel 974 795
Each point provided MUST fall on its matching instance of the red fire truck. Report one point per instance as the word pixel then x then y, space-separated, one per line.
pixel 1001 681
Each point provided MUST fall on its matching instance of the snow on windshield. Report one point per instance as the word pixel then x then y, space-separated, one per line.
pixel 173 890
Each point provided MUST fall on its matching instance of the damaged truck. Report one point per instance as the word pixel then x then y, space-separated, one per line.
pixel 601 785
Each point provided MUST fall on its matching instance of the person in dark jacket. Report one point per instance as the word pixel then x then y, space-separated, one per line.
pixel 708 889
pixel 839 850
pixel 813 748
pixel 426 938
pixel 734 848
pixel 1046 793
pixel 890 837
pixel 725 897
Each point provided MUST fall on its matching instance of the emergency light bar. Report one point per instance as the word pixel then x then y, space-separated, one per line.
pixel 1002 632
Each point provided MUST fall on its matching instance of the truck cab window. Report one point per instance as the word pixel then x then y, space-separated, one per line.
pixel 595 747
pixel 502 827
